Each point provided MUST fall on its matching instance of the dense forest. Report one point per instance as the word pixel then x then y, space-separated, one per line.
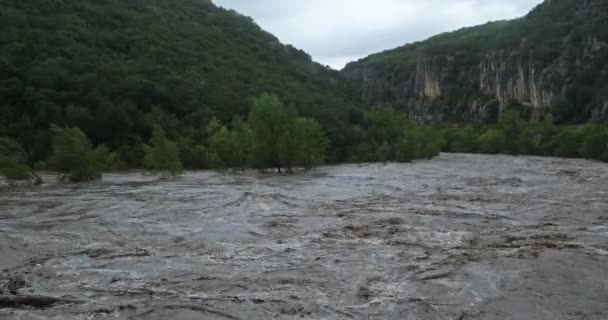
pixel 93 86
pixel 116 68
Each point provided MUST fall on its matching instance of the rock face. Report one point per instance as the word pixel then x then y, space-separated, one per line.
pixel 555 56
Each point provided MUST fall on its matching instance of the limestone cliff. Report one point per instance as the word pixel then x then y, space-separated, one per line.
pixel 552 60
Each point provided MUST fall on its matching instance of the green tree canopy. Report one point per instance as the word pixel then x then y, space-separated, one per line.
pixel 162 154
pixel 75 158
pixel 311 143
pixel 270 121
pixel 13 162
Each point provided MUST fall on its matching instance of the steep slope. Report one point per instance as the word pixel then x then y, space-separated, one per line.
pixel 552 60
pixel 111 67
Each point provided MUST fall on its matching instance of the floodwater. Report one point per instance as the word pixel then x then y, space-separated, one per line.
pixel 458 237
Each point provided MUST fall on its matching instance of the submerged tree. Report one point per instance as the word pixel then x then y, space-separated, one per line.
pixel 75 158
pixel 269 121
pixel 162 154
pixel 222 144
pixel 104 160
pixel 232 146
pixel 419 142
pixel 405 149
pixel 243 143
pixel 13 162
pixel 492 141
pixel 595 143
pixel 279 138
pixel 567 142
pixel 311 143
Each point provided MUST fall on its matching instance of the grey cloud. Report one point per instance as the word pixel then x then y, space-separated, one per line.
pixel 337 31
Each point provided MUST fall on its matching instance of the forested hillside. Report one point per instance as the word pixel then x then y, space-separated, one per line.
pixel 88 86
pixel 554 60
pixel 114 68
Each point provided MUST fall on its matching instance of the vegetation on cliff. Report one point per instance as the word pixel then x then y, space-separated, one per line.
pixel 553 60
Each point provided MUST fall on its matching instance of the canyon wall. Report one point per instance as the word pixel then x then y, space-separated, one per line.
pixel 473 74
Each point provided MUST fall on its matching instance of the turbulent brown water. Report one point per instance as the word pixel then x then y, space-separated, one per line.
pixel 458 237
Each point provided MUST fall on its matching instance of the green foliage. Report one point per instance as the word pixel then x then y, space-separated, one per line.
pixel 232 146
pixel 243 142
pixel 223 144
pixel 389 135
pixel 311 143
pixel 120 72
pixel 75 158
pixel 302 145
pixel 595 143
pixel 273 137
pixel 162 154
pixel 566 142
pixel 406 148
pixel 40 166
pixel 287 150
pixel 430 142
pixel 419 142
pixel 492 141
pixel 384 124
pixel 13 161
pixel 514 136
pixel 460 139
pixel 270 122
pixel 510 126
pixel 116 68
pixel 103 160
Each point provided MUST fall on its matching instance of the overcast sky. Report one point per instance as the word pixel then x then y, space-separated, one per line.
pixel 335 32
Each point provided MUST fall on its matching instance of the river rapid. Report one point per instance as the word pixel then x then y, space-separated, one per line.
pixel 458 237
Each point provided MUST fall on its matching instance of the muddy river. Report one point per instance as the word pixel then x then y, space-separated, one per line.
pixel 458 237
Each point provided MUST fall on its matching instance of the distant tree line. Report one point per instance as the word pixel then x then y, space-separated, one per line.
pixel 274 136
pixel 516 136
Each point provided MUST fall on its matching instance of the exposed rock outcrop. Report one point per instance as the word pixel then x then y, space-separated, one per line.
pixel 474 74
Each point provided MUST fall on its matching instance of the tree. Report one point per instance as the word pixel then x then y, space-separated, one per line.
pixel 269 121
pixel 103 160
pixel 288 150
pixel 383 153
pixel 13 162
pixel 243 143
pixel 492 141
pixel 222 143
pixel 595 143
pixel 531 140
pixel 162 154
pixel 419 142
pixel 566 143
pixel 510 126
pixel 384 125
pixel 311 143
pixel 405 149
pixel 461 139
pixel 232 147
pixel 302 145
pixel 430 142
pixel 74 157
